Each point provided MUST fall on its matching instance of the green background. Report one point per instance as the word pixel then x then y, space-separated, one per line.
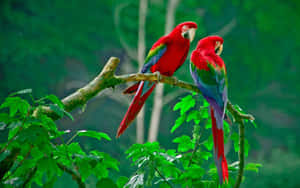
pixel 55 46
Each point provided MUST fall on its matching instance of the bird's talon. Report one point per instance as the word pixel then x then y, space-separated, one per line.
pixel 158 75
pixel 175 80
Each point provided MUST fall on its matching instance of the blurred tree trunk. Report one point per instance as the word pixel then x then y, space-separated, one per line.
pixel 159 91
pixel 141 54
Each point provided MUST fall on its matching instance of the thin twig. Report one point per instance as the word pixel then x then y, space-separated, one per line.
pixel 30 175
pixel 163 177
pixel 198 136
pixel 74 175
pixel 241 152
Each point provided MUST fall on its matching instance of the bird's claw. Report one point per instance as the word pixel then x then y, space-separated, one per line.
pixel 158 75
pixel 175 80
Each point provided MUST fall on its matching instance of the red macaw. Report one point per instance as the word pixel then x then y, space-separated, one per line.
pixel 209 74
pixel 165 57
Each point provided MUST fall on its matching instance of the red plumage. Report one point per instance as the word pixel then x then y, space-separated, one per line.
pixel 218 137
pixel 165 56
pixel 209 73
pixel 134 108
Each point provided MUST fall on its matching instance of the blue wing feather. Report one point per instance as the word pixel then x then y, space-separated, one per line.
pixel 154 59
pixel 216 94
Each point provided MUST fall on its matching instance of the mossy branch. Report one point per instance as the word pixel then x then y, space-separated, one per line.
pixel 108 79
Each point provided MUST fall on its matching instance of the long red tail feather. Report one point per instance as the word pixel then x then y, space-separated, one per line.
pixel 132 89
pixel 135 107
pixel 218 137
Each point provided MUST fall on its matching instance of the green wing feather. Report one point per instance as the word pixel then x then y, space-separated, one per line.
pixel 153 56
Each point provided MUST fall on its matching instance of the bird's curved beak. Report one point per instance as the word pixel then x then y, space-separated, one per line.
pixel 192 33
pixel 189 34
pixel 218 48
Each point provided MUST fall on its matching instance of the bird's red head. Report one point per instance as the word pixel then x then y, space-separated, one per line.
pixel 211 43
pixel 186 30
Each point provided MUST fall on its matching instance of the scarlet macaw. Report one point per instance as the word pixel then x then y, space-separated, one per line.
pixel 209 73
pixel 165 57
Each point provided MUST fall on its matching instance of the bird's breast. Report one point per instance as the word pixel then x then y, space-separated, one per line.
pixel 173 58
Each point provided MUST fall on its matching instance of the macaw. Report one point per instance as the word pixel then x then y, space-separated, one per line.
pixel 165 57
pixel 209 74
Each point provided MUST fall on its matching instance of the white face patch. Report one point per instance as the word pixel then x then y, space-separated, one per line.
pixel 184 29
pixel 218 48
pixel 188 33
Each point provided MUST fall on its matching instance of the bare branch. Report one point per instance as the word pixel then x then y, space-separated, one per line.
pixel 107 79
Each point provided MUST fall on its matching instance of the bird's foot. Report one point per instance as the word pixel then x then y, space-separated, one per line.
pixel 175 80
pixel 158 75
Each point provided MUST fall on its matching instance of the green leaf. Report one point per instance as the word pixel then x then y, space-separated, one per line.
pixel 226 128
pixel 106 182
pixel 14 128
pixel 16 104
pixel 209 143
pixel 93 134
pixel 193 172
pixel 69 115
pixel 74 147
pixel 106 159
pixel 253 167
pixel 208 124
pixel 253 123
pixel 85 169
pixel 184 143
pixel 122 181
pixel 205 103
pixel 164 185
pixel 59 111
pixel 4 117
pixel 205 155
pixel 55 100
pixel 194 115
pixel 21 92
pixel 185 104
pixel 235 138
pixel 178 122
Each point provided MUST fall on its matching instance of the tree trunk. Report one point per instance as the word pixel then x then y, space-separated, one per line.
pixel 141 54
pixel 159 91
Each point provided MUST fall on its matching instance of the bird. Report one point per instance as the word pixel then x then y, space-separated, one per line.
pixel 209 74
pixel 166 55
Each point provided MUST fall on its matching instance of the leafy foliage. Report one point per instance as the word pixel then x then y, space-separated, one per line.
pixel 35 150
pixel 191 164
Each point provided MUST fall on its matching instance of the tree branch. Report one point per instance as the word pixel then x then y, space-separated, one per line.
pixel 241 154
pixel 239 118
pixel 163 177
pixel 107 79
